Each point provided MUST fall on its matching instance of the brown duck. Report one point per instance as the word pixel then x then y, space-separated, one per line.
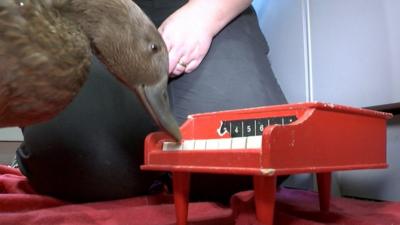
pixel 45 52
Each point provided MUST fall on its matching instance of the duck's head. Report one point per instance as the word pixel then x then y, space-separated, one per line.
pixel 125 39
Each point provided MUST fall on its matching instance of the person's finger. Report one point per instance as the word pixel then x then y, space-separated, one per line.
pixel 193 64
pixel 174 57
pixel 196 57
pixel 180 66
pixel 178 70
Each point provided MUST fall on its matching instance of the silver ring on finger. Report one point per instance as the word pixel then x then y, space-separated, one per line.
pixel 182 63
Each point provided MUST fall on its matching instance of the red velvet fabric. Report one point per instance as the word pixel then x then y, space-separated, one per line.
pixel 20 205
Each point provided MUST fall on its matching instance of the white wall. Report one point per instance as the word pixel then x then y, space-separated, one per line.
pixel 392 18
pixel 348 50
pixel 355 51
pixel 345 52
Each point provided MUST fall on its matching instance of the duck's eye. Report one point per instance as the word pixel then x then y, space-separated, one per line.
pixel 20 2
pixel 154 47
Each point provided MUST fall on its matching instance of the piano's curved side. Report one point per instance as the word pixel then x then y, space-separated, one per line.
pixel 325 140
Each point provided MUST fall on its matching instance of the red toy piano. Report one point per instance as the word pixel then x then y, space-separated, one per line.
pixel 265 142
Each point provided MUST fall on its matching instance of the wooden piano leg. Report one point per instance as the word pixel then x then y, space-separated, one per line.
pixel 264 196
pixel 324 190
pixel 181 185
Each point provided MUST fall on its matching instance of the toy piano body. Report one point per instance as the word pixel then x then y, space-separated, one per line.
pixel 265 142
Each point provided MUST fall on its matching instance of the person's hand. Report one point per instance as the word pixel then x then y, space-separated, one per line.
pixel 188 32
pixel 188 38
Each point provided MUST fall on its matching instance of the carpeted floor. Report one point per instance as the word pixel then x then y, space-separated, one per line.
pixel 19 205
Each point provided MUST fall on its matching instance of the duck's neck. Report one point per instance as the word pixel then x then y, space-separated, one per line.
pixel 94 17
pixel 78 11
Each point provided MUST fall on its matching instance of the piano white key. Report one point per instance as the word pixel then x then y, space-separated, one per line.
pixel 254 142
pixel 239 143
pixel 211 144
pixel 200 145
pixel 188 145
pixel 172 146
pixel 225 143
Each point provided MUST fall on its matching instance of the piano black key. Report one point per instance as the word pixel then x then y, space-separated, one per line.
pixel 275 121
pixel 237 128
pixel 260 124
pixel 289 119
pixel 249 128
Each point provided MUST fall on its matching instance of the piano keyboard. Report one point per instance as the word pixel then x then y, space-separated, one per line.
pixel 245 134
pixel 251 142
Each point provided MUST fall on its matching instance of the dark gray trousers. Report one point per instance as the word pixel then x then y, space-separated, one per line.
pixel 92 151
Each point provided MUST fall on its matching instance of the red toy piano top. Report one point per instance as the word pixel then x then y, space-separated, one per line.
pixel 269 141
pixel 273 140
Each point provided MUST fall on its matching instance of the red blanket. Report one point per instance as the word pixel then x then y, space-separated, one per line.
pixel 19 205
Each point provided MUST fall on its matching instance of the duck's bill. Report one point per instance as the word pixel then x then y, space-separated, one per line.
pixel 155 99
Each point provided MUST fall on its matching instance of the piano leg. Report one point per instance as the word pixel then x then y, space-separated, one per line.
pixel 324 190
pixel 181 185
pixel 264 196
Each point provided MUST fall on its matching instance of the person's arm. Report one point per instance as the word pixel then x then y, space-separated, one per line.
pixel 189 31
pixel 216 14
